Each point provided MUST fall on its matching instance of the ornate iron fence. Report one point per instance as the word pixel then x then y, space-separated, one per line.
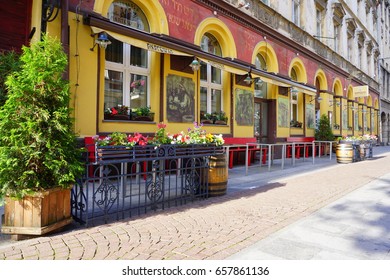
pixel 122 182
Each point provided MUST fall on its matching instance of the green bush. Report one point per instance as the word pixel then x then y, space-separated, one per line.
pixel 324 130
pixel 38 148
pixel 9 62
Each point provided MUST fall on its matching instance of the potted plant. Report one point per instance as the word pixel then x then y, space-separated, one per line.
pixel 142 114
pixel 206 118
pixel 324 131
pixel 220 117
pixel 296 124
pixel 120 112
pixel 39 158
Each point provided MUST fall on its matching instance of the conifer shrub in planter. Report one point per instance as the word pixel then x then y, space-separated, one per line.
pixel 39 158
pixel 324 131
pixel 9 62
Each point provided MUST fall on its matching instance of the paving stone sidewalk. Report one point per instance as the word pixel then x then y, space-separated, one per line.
pixel 215 228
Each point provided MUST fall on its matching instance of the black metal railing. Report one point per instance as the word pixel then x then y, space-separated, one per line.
pixel 122 182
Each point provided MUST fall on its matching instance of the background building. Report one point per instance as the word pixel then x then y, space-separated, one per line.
pixel 384 69
pixel 273 67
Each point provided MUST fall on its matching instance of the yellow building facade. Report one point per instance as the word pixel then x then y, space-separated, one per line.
pixel 268 85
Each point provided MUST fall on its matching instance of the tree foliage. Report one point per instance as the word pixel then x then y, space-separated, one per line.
pixel 38 146
pixel 9 62
pixel 324 130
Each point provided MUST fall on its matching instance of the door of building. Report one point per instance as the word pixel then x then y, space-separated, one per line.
pixel 261 121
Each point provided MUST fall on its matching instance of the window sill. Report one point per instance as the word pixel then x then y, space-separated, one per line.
pixel 129 121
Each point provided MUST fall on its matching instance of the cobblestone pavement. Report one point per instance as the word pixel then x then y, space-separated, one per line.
pixel 215 228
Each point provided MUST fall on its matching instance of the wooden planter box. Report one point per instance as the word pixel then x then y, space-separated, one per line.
pixel 149 118
pixel 39 214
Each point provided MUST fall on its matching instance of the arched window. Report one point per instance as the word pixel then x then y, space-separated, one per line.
pixel 260 62
pixel 127 67
pixel 260 86
pixel 210 78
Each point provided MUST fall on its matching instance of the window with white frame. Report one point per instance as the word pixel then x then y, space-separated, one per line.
pixel 360 55
pixel 361 52
pixel 210 78
pixel 127 70
pixel 294 98
pixel 336 33
pixel 338 19
pixel 295 11
pixel 369 57
pixel 319 21
pixel 350 43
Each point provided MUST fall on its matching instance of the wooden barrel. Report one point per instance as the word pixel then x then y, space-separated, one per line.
pixel 344 153
pixel 218 175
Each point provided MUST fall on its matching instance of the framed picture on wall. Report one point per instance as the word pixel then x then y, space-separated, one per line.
pixel 283 116
pixel 310 116
pixel 345 119
pixel 244 112
pixel 180 99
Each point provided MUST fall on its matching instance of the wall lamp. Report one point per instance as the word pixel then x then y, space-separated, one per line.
pixel 259 82
pixel 362 109
pixel 318 98
pixel 248 80
pixel 331 103
pixel 195 65
pixel 347 107
pixel 293 91
pixel 102 40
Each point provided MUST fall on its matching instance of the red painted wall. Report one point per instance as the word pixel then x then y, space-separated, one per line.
pixel 185 16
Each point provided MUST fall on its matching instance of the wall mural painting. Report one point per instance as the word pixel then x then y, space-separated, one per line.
pixel 310 116
pixel 244 107
pixel 283 119
pixel 345 119
pixel 180 95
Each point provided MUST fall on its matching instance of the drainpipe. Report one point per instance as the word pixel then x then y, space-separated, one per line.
pixel 65 33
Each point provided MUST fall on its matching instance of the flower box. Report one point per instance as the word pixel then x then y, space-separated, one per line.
pixel 116 117
pixel 149 118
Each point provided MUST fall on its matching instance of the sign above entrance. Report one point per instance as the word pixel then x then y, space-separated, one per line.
pixel 360 91
pixel 139 43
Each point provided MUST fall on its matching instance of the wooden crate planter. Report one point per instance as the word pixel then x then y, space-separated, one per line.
pixel 39 214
